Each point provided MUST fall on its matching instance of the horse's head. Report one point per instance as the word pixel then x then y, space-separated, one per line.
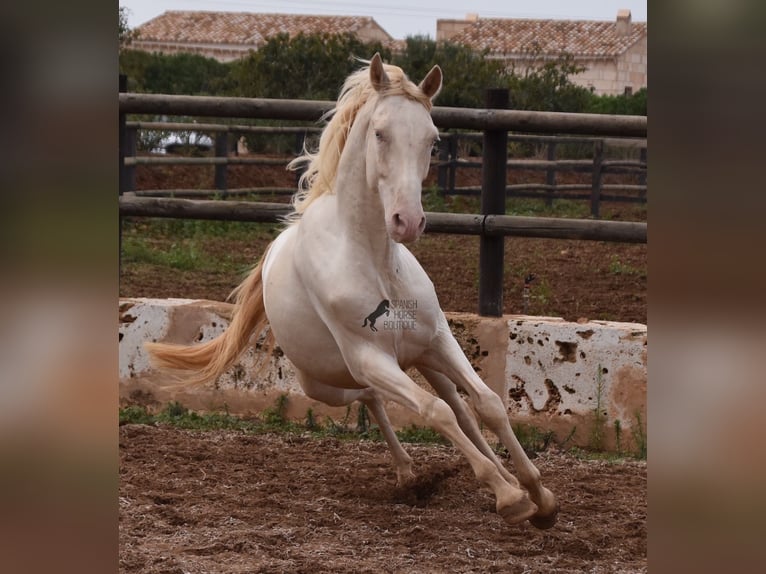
pixel 400 138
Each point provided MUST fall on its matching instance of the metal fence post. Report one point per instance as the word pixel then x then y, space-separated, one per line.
pixel 493 184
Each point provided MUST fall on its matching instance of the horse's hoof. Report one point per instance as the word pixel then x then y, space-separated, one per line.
pixel 406 479
pixel 519 511
pixel 546 521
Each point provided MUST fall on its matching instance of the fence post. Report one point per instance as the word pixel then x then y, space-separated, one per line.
pixel 221 150
pixel 550 175
pixel 595 194
pixel 642 173
pixel 122 144
pixel 453 147
pixel 131 145
pixel 121 186
pixel 443 169
pixel 493 184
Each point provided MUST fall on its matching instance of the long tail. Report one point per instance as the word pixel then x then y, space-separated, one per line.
pixel 203 363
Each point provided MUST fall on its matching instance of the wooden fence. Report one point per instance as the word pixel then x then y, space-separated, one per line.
pixel 447 164
pixel 491 225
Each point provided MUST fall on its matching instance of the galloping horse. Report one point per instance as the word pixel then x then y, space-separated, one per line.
pixel 339 257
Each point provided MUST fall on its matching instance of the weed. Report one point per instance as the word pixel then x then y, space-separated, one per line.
pixel 135 415
pixel 639 437
pixel 569 437
pixel 311 422
pixel 417 434
pixel 363 419
pixel 616 267
pixel 532 438
pixel 175 409
pixel 275 416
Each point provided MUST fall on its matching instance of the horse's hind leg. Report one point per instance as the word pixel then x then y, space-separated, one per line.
pixel 447 390
pixel 447 357
pixel 337 397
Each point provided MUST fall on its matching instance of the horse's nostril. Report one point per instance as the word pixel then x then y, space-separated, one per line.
pixel 398 221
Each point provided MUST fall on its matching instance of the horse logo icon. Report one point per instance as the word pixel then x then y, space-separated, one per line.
pixel 382 308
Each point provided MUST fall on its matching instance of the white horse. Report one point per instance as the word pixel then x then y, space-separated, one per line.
pixel 341 262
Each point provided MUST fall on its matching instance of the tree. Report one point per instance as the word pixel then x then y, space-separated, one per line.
pixel 124 34
pixel 548 87
pixel 632 105
pixel 467 73
pixel 175 73
pixel 302 67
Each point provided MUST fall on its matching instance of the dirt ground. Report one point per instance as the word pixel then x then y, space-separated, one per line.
pixel 228 502
pixel 573 279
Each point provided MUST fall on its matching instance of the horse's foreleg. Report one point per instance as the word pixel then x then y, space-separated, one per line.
pixel 379 372
pixel 448 358
pixel 337 397
pixel 447 390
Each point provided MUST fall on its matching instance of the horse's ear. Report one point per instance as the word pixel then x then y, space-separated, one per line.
pixel 432 83
pixel 378 76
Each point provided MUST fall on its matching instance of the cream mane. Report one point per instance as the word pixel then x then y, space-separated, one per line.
pixel 319 177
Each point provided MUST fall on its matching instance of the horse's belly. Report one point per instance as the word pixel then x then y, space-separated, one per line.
pixel 298 329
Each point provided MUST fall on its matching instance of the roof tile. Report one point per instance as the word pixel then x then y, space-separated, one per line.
pixel 549 37
pixel 243 27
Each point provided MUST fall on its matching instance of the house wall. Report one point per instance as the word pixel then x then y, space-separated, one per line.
pixel 632 68
pixel 220 52
pixel 230 52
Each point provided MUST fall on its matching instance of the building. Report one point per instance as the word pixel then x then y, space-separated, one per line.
pixel 614 53
pixel 228 36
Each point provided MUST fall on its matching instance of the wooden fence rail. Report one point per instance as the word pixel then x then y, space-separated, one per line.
pixel 444 117
pixel 490 225
pixel 447 163
pixel 456 223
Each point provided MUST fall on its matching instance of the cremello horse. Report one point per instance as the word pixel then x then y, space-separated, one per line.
pixel 341 255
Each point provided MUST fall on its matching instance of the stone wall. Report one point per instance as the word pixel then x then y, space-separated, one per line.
pixel 552 374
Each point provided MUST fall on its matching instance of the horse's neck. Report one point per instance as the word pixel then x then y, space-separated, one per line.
pixel 360 210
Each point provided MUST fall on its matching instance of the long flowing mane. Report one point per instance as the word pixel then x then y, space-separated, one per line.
pixel 322 166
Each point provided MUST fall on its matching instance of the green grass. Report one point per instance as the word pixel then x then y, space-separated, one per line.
pixel 273 420
pixel 617 267
pixel 564 208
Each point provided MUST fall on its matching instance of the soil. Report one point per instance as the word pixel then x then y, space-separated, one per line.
pixel 228 502
pixel 224 502
pixel 573 279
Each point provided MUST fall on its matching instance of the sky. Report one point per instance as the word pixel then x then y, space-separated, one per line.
pixel 397 17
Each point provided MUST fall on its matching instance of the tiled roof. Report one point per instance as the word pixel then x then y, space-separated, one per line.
pixel 243 27
pixel 549 37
